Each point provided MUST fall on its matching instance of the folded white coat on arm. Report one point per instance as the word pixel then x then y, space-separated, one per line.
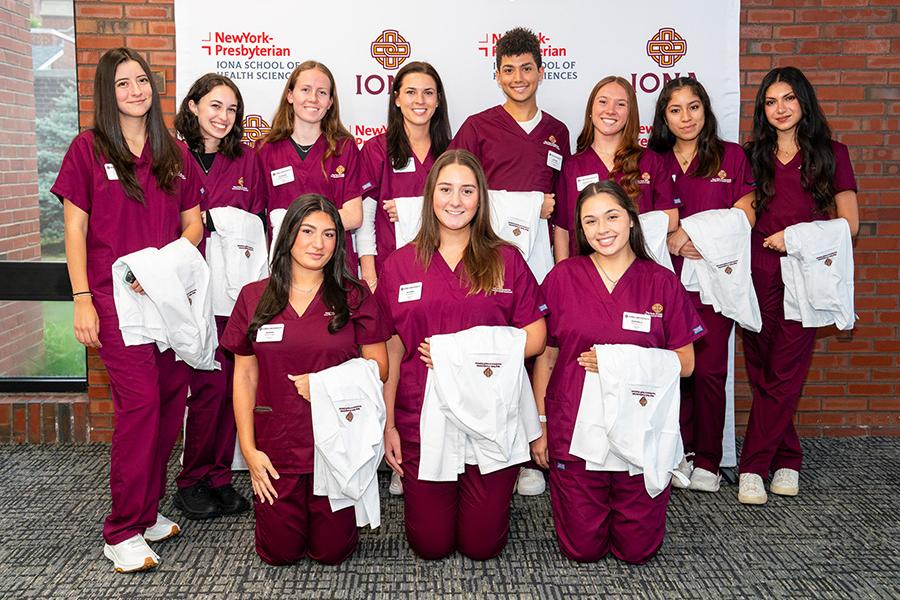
pixel 275 218
pixel 722 276
pixel 348 417
pixel 175 310
pixel 409 219
pixel 364 237
pixel 655 225
pixel 236 253
pixel 628 418
pixel 516 218
pixel 818 269
pixel 478 406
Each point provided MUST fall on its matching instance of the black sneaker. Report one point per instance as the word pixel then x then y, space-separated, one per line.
pixel 197 502
pixel 229 501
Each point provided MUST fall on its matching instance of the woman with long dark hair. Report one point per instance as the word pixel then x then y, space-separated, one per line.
pixel 210 125
pixel 309 151
pixel 126 186
pixel 709 174
pixel 801 175
pixel 309 315
pixel 608 148
pixel 398 161
pixel 612 292
pixel 456 274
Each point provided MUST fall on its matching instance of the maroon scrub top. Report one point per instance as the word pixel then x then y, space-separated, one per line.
pixel 446 306
pixel 341 178
pixel 282 419
pixel 388 184
pixel 117 224
pixel 513 160
pixel 583 313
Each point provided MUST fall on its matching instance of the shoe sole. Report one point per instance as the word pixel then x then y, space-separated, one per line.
pixel 784 491
pixel 172 533
pixel 704 489
pixel 753 500
pixel 149 563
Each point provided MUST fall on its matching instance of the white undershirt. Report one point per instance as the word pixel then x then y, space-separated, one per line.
pixel 530 124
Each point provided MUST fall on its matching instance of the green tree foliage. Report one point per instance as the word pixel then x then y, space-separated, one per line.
pixel 55 131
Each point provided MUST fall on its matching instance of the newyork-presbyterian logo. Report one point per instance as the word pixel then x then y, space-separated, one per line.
pixel 666 47
pixel 255 128
pixel 390 49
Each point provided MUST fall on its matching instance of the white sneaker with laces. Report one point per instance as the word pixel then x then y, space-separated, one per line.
pixel 705 481
pixel 751 489
pixel 530 483
pixel 686 468
pixel 132 555
pixel 163 529
pixel 785 482
pixel 396 487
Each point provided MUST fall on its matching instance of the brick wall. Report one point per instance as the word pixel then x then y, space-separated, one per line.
pixel 850 49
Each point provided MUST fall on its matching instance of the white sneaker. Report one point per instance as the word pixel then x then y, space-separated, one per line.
pixel 530 483
pixel 686 468
pixel 396 487
pixel 131 555
pixel 785 482
pixel 163 529
pixel 705 481
pixel 751 489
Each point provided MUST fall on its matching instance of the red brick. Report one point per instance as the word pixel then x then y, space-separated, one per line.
pixel 796 31
pixel 866 46
pixel 97 9
pixel 147 12
pixel 770 16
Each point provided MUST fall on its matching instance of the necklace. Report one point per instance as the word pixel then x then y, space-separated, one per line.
pixel 307 291
pixel 685 161
pixel 302 148
pixel 603 272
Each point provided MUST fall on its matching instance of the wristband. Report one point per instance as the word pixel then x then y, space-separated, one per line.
pixel 542 418
pixel 86 293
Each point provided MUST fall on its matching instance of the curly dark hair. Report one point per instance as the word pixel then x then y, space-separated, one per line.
pixel 516 41
pixel 188 127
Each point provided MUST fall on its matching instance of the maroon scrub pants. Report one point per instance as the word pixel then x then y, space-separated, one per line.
pixel 778 359
pixel 470 515
pixel 598 512
pixel 210 430
pixel 301 524
pixel 148 389
pixel 703 393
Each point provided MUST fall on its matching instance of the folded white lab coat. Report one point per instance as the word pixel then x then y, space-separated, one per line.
pixel 818 274
pixel 275 218
pixel 175 310
pixel 478 407
pixel 722 276
pixel 236 253
pixel 409 219
pixel 628 417
pixel 348 417
pixel 364 237
pixel 655 225
pixel 516 217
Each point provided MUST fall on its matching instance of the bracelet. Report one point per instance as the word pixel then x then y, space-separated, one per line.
pixel 86 293
pixel 542 418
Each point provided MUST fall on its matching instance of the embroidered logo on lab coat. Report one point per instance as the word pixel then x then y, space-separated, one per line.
pixel 721 177
pixel 657 308
pixel 248 250
pixel 551 141
pixel 338 172
pixel 645 178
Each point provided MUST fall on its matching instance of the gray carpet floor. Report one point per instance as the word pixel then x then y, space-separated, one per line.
pixel 839 539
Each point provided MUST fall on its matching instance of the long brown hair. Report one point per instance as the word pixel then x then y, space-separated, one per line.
pixel 481 260
pixel 109 140
pixel 398 146
pixel 283 121
pixel 635 234
pixel 629 151
pixel 188 126
pixel 341 291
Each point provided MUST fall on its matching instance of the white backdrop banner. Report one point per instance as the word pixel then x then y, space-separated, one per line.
pixel 648 43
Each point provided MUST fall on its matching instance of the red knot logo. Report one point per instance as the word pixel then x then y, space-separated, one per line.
pixel 255 128
pixel 390 49
pixel 666 47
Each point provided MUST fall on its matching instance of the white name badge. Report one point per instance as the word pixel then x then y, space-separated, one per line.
pixel 111 172
pixel 636 322
pixel 410 292
pixel 554 160
pixel 270 332
pixel 409 168
pixel 282 175
pixel 586 180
